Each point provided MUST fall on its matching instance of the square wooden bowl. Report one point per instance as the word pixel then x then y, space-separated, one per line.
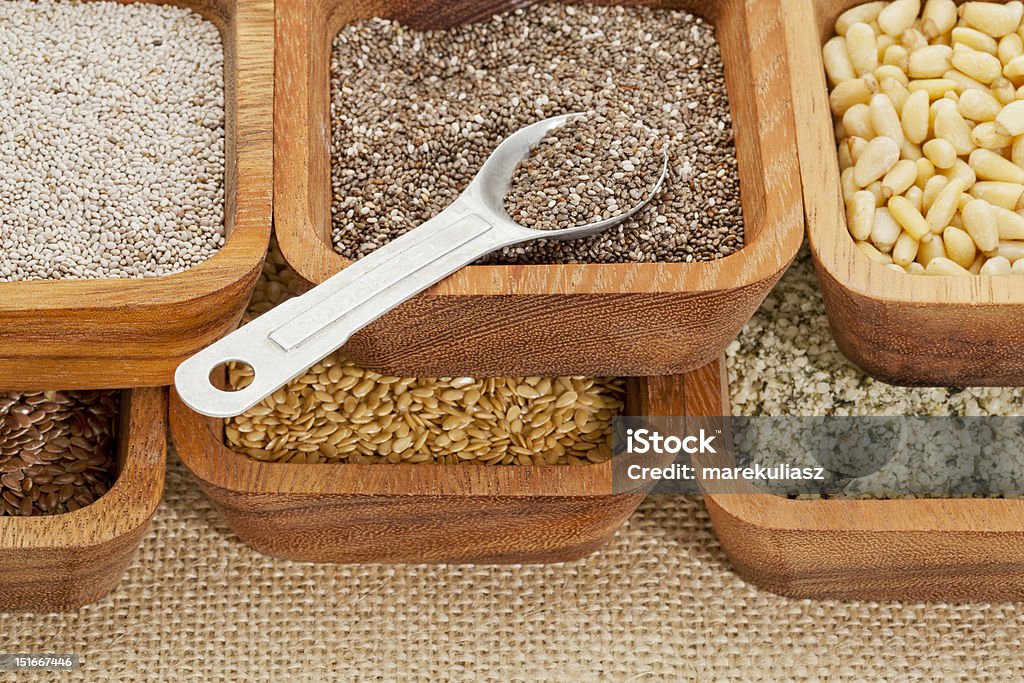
pixel 601 320
pixel 61 562
pixel 902 329
pixel 113 333
pixel 414 513
pixel 923 549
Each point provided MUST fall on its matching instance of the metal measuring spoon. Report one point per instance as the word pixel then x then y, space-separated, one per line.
pixel 282 343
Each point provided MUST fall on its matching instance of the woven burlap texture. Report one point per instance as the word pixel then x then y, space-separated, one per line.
pixel 659 603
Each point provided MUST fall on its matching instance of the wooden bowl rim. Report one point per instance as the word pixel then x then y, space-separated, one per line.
pixel 199 447
pixel 832 247
pixel 243 250
pixel 780 221
pixel 127 506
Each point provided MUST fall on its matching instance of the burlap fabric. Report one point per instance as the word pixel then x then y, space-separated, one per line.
pixel 660 603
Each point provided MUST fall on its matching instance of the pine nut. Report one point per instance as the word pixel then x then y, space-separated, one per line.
pixel 940 152
pixel 961 171
pixel 991 166
pixel 1011 46
pixel 979 105
pixel 938 17
pixel 929 250
pixel 849 93
pixel 1010 120
pixel 963 81
pixel 980 221
pixel 872 253
pixel 884 119
pixel 837 61
pixel 1007 195
pixel 914 196
pixel 862 47
pixel 1015 68
pixel 895 55
pixel 931 131
pixel 857 122
pixel 929 62
pixel 974 39
pixel 1011 250
pixel 935 87
pixel 981 66
pixel 894 72
pixel 884 230
pixel 985 136
pixel 925 172
pixel 992 18
pixel 1017 150
pixel 959 246
pixel 941 265
pixel 895 90
pixel 1011 224
pixel 905 250
pixel 952 127
pixel 914 117
pixel 912 40
pixel 997 265
pixel 865 13
pixel 878 156
pixel 944 206
pixel 898 16
pixel 908 216
pixel 861 215
pixel 899 178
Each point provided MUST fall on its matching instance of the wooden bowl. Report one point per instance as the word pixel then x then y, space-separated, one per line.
pixel 414 513
pixel 923 549
pixel 902 329
pixel 112 333
pixel 600 320
pixel 61 562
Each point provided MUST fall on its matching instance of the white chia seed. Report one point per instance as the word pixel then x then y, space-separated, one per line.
pixel 111 140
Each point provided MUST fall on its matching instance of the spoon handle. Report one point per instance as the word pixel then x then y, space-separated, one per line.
pixel 284 342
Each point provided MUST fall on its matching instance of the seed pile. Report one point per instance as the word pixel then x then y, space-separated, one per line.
pixel 111 140
pixel 416 113
pixel 339 412
pixel 929 106
pixel 57 450
pixel 587 170
pixel 785 362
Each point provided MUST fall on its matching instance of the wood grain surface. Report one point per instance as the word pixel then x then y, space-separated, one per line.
pixel 114 333
pixel 415 513
pixel 61 562
pixel 924 549
pixel 911 330
pixel 623 319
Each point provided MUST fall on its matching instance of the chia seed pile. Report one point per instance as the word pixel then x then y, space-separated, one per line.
pixel 111 140
pixel 786 363
pixel 587 170
pixel 57 450
pixel 416 113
